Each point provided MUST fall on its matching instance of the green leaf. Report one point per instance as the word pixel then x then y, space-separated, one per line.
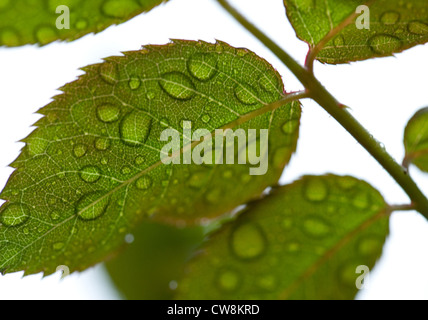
pixel 395 25
pixel 156 258
pixel 303 241
pixel 92 170
pixel 37 21
pixel 416 140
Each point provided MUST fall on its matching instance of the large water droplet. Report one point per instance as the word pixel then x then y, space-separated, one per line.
pixel 268 84
pixel 203 66
pixel 144 183
pixel 90 174
pixel 316 227
pixel 384 44
pixel 92 206
pixel 370 245
pixel 291 126
pixel 46 35
pixel 79 150
pixel 390 17
pixel 102 144
pixel 248 241
pixel 417 27
pixel 361 200
pixel 119 9
pixel 10 38
pixel 108 113
pixel 339 41
pixel 177 85
pixel 228 280
pixel 58 246
pixel 198 179
pixel 109 72
pixel 37 145
pixel 246 94
pixel 14 215
pixel 135 128
pixel 315 189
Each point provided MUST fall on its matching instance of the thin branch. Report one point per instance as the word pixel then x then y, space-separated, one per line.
pixel 324 98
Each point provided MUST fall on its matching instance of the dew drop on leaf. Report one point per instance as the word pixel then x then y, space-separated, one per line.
pixel 245 94
pixel 203 66
pixel 109 72
pixel 177 85
pixel 385 44
pixel 390 17
pixel 315 190
pixel 92 206
pixel 417 27
pixel 135 128
pixel 144 183
pixel 90 174
pixel 14 215
pixel 248 241
pixel 316 227
pixel 228 280
pixel 102 144
pixel 108 113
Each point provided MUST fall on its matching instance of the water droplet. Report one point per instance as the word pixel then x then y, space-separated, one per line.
pixel 92 206
pixel 203 66
pixel 126 170
pixel 361 200
pixel 119 9
pixel 206 118
pixel 173 285
pixel 287 223
pixel 346 183
pixel 228 280
pixel 144 183
pixel 213 196
pixel 268 84
pixel 104 161
pixel 384 44
pixel 14 215
pixel 55 215
pixel 316 227
pixel 267 282
pixel 390 17
pixel 139 160
pixel 370 245
pixel 291 126
pixel 248 241
pixel 10 38
pixel 315 189
pixel 417 27
pixel 37 145
pixel 245 94
pixel 102 144
pixel 90 174
pixel 58 246
pixel 347 275
pixel 293 247
pixel 228 174
pixel 46 34
pixel 151 95
pixel 134 83
pixel 81 24
pixel 198 179
pixel 135 128
pixel 108 113
pixel 109 72
pixel 339 41
pixel 177 85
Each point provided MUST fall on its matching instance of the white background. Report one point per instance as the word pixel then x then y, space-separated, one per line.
pixel 383 94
